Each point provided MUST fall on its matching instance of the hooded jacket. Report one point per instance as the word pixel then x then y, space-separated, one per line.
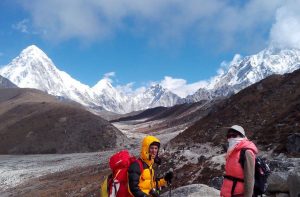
pixel 142 181
pixel 234 169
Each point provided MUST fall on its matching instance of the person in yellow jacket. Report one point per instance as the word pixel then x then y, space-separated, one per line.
pixel 143 182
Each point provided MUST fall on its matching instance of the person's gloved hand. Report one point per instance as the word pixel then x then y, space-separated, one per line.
pixel 157 160
pixel 169 176
pixel 154 193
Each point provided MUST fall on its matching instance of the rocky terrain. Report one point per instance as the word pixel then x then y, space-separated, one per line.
pixel 193 143
pixel 268 110
pixel 53 175
pixel 33 122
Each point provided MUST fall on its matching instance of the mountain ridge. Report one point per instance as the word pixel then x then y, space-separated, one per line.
pixel 34 69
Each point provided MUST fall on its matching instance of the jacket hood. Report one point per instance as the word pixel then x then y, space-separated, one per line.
pixel 147 141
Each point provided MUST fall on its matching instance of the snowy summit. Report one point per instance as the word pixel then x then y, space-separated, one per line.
pixel 34 69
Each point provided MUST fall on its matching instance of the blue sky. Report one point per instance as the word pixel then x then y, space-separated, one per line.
pixel 177 43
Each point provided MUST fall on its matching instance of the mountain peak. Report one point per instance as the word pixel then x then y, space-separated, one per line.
pixel 156 89
pixel 156 86
pixel 102 84
pixel 33 50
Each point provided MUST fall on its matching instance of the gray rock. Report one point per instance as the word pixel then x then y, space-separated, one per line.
pixel 293 143
pixel 293 182
pixel 216 182
pixel 280 165
pixel 194 190
pixel 277 182
pixel 282 195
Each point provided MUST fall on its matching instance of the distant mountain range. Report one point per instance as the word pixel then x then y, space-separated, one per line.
pixel 34 69
pixel 243 72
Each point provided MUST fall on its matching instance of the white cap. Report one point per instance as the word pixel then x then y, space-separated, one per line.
pixel 238 129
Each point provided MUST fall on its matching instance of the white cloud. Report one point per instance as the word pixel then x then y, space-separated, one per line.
pixel 224 66
pixel 21 26
pixel 161 22
pixel 109 75
pixel 127 88
pixel 180 86
pixel 285 32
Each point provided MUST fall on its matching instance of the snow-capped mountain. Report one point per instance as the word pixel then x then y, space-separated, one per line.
pixel 34 69
pixel 243 72
pixel 109 97
pixel 155 96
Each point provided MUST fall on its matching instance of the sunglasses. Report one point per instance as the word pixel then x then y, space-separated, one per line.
pixel 231 135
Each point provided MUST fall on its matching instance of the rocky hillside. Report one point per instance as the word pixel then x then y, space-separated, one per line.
pixel 268 110
pixel 33 122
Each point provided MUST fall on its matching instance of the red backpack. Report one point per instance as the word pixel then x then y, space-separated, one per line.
pixel 117 183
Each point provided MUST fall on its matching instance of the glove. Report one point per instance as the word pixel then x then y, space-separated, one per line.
pixel 153 193
pixel 157 160
pixel 169 176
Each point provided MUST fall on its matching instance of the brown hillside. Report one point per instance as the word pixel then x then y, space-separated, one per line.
pixel 268 110
pixel 33 122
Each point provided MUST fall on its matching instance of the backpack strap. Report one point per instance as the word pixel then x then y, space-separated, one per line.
pixel 118 173
pixel 234 180
pixel 113 184
pixel 109 180
pixel 242 157
pixel 139 161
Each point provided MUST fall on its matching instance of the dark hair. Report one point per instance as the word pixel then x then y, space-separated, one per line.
pixel 155 143
pixel 234 132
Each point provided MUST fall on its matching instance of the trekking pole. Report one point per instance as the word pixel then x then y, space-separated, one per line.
pixel 170 190
pixel 170 184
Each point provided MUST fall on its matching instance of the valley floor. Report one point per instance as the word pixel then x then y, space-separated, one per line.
pixel 78 174
pixel 81 174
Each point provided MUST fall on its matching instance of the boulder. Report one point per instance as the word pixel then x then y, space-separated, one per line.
pixel 216 182
pixel 277 182
pixel 293 182
pixel 194 190
pixel 293 143
pixel 281 164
